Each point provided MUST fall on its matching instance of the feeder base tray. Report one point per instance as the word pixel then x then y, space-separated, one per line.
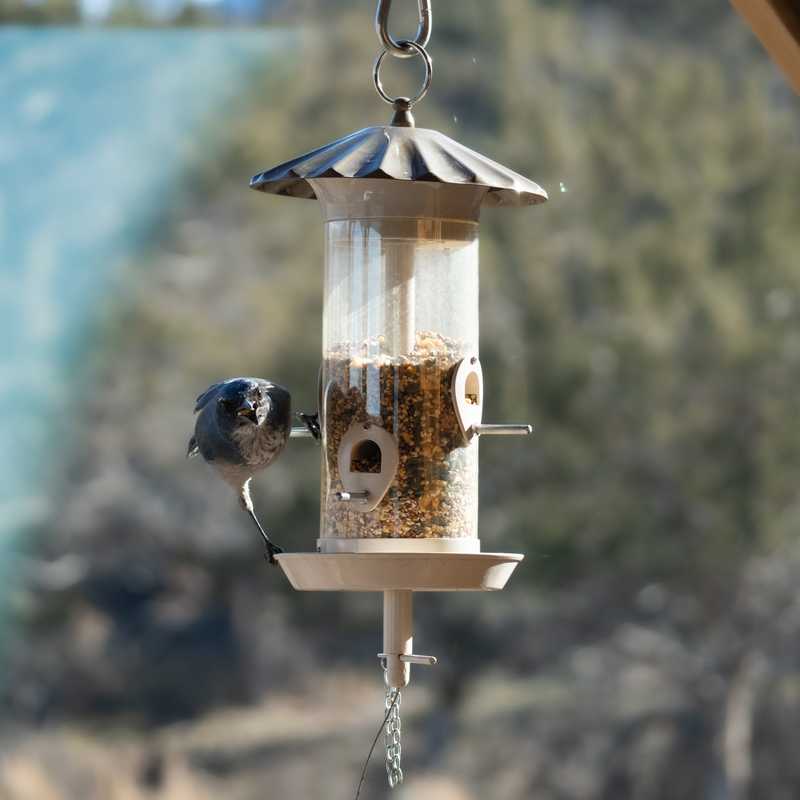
pixel 417 572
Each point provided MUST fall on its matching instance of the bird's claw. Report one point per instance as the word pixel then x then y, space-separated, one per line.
pixel 271 552
pixel 311 421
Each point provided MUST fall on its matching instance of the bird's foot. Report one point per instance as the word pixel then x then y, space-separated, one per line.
pixel 272 551
pixel 311 421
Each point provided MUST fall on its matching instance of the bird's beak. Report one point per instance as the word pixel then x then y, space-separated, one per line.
pixel 247 409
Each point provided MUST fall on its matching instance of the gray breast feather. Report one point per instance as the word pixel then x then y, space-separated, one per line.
pixel 259 446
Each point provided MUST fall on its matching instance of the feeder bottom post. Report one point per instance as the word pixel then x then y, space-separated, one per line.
pixel 397 636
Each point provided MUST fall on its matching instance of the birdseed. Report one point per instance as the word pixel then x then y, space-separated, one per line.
pixel 435 491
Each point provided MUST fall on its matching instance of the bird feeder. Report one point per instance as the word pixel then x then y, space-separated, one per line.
pixel 401 386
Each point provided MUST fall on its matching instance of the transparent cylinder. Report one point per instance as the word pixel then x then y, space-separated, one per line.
pixel 400 313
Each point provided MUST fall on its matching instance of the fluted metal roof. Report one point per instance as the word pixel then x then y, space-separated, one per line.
pixel 400 153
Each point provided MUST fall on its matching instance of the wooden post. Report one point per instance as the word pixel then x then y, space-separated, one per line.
pixel 777 25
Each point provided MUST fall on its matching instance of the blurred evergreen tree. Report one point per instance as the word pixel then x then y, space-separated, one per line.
pixel 41 12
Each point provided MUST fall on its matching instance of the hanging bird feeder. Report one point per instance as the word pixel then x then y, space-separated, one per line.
pixel 401 386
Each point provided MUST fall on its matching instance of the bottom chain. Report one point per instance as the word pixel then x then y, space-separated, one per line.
pixel 391 738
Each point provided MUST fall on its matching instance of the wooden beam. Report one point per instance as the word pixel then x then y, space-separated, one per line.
pixel 777 24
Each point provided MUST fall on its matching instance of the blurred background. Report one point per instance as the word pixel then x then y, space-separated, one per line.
pixel 646 320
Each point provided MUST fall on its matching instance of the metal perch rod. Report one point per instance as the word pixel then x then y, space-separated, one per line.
pixel 502 430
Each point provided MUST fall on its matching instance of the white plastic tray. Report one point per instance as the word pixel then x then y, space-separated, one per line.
pixel 418 572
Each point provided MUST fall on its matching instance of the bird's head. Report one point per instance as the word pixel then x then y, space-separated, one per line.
pixel 242 402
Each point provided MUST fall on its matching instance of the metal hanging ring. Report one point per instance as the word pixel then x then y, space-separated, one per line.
pixel 417 49
pixel 402 48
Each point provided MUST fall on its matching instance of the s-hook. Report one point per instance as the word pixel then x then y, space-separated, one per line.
pixel 403 48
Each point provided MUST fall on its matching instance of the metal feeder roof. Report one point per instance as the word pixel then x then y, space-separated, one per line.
pixel 395 152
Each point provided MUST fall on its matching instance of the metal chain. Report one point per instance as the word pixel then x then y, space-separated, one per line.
pixel 402 47
pixel 391 738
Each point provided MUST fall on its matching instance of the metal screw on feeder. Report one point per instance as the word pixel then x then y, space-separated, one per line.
pixel 401 384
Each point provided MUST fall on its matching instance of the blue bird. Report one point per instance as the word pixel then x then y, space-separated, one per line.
pixel 242 426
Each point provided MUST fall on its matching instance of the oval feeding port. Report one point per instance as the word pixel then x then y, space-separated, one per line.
pixel 467 394
pixel 472 389
pixel 366 457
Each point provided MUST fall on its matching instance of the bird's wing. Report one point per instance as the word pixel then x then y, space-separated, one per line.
pixel 202 400
pixel 193 449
